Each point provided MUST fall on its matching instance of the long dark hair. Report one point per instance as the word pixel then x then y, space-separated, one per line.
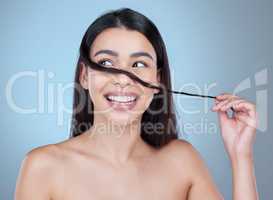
pixel 82 117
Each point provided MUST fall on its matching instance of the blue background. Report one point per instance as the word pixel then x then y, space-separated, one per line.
pixel 208 42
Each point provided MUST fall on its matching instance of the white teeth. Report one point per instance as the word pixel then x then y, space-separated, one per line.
pixel 122 98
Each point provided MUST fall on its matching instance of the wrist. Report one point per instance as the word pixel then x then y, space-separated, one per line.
pixel 241 156
pixel 242 161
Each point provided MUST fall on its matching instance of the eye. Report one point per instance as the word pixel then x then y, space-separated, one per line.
pixel 105 62
pixel 139 64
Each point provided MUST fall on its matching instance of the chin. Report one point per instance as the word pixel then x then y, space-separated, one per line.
pixel 124 118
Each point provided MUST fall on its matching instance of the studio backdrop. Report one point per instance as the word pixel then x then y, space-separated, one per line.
pixel 213 47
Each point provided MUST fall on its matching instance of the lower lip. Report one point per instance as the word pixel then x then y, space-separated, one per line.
pixel 118 106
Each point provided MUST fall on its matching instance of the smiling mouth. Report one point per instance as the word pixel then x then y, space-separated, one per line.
pixel 123 99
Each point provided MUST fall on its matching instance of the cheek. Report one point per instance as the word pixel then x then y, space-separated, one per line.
pixel 146 97
pixel 148 93
pixel 96 83
pixel 149 75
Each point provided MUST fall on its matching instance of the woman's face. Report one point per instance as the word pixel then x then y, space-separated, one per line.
pixel 116 97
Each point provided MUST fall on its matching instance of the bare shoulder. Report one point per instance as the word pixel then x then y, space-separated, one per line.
pixel 184 150
pixel 45 151
pixel 41 161
pixel 37 173
pixel 189 160
pixel 42 170
pixel 179 144
pixel 51 155
pixel 46 156
pixel 186 155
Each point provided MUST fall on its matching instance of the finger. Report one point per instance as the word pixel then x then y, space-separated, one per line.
pixel 216 101
pixel 247 120
pixel 224 102
pixel 231 99
pixel 231 104
pixel 216 107
pixel 247 113
pixel 224 96
pixel 246 107
pixel 223 117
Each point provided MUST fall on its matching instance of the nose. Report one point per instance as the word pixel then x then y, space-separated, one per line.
pixel 122 80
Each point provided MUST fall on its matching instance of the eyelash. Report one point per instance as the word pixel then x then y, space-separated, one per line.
pixel 103 60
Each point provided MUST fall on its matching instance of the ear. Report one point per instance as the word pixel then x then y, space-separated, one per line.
pixel 83 76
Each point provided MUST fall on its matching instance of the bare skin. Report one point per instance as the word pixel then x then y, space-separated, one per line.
pixel 115 164
pixel 69 170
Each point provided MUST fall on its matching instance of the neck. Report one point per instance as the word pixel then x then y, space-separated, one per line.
pixel 117 142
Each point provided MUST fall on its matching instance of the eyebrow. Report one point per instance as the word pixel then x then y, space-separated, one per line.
pixel 113 53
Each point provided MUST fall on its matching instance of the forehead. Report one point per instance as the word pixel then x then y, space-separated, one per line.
pixel 122 41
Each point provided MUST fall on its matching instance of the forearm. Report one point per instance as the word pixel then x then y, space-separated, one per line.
pixel 243 178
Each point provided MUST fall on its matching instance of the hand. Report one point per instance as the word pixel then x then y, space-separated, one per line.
pixel 238 132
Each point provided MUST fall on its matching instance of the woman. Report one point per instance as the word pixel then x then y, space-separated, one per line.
pixel 124 142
